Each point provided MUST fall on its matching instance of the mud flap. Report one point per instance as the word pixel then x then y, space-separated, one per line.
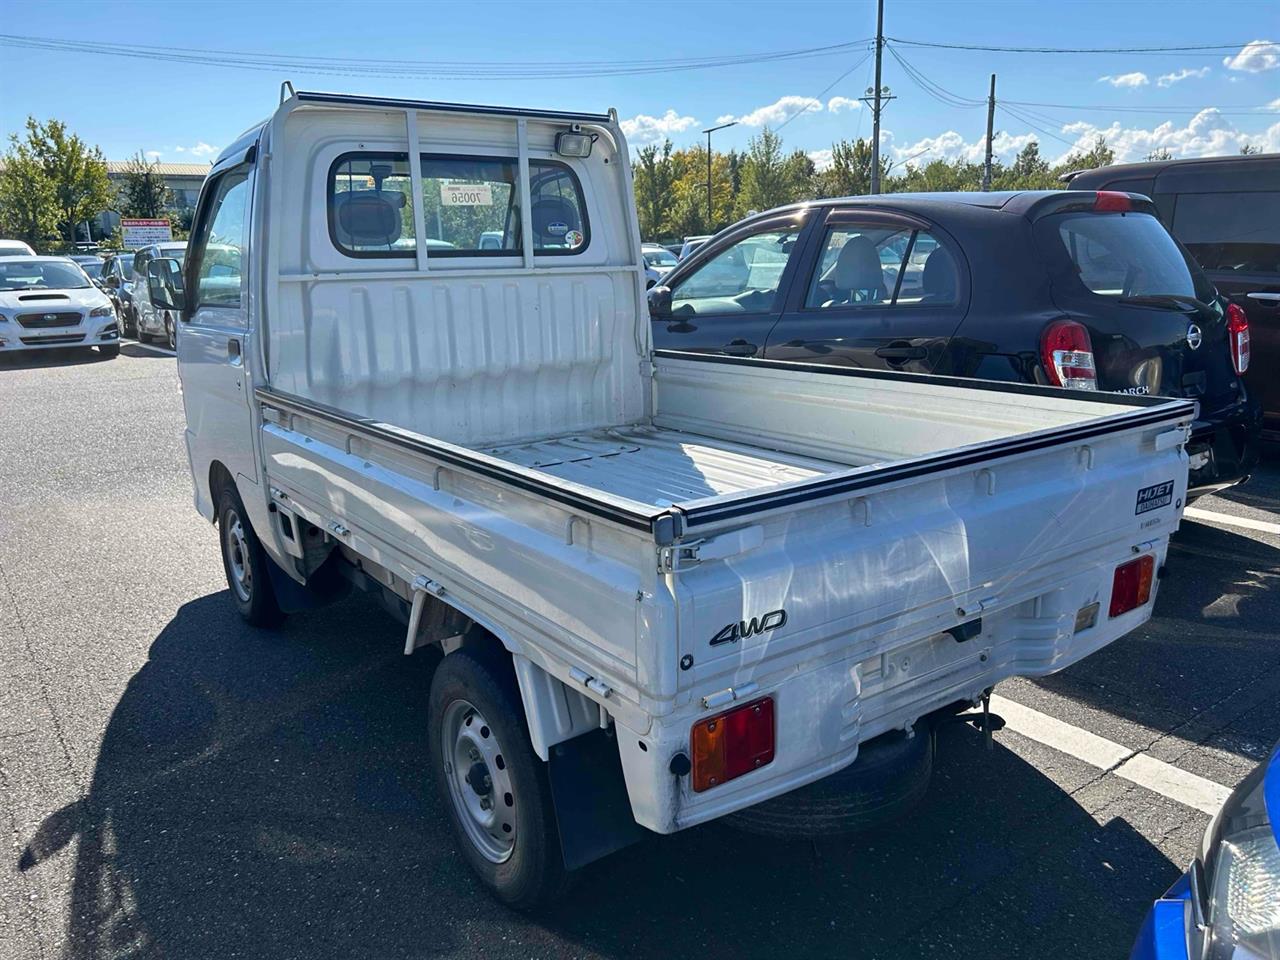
pixel 322 588
pixel 593 811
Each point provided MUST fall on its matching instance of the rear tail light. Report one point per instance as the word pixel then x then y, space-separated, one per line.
pixel 1238 333
pixel 1109 201
pixel 731 744
pixel 1067 354
pixel 1131 585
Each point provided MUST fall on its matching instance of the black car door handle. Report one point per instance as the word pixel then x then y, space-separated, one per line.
pixel 739 348
pixel 1272 299
pixel 901 354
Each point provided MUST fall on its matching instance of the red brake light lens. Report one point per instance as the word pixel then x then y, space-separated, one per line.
pixel 1238 334
pixel 1131 585
pixel 731 744
pixel 1110 201
pixel 1067 354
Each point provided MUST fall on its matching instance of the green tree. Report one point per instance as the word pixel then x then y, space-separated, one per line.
pixel 802 175
pixel 1161 153
pixel 654 176
pixel 939 175
pixel 1248 150
pixel 1029 171
pixel 1099 155
pixel 28 202
pixel 142 191
pixel 767 181
pixel 849 174
pixel 77 172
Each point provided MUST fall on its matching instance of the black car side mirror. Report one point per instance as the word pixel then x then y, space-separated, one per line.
pixel 164 284
pixel 660 303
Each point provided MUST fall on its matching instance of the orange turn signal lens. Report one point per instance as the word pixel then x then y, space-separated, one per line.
pixel 731 744
pixel 1131 585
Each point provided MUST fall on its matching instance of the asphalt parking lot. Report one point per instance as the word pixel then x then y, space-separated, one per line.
pixel 174 783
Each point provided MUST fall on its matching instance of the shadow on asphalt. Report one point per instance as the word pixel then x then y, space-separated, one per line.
pixel 1212 638
pixel 265 795
pixel 50 357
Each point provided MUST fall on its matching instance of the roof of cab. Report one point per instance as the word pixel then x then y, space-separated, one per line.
pixel 1253 163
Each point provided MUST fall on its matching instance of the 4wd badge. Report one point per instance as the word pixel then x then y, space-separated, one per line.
pixel 745 629
pixel 1154 497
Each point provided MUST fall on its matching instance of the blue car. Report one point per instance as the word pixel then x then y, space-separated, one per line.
pixel 1227 905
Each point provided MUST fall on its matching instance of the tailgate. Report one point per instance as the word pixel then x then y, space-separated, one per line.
pixel 877 558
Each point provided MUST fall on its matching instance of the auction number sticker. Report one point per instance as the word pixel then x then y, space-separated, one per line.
pixel 466 195
pixel 1154 497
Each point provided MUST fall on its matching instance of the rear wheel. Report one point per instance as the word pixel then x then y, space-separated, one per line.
pixel 245 564
pixel 492 783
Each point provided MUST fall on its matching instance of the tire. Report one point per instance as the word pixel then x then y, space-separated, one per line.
pixel 890 776
pixel 130 323
pixel 143 336
pixel 171 333
pixel 245 564
pixel 475 713
pixel 109 350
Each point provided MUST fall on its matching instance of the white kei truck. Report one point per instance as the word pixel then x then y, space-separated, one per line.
pixel 667 587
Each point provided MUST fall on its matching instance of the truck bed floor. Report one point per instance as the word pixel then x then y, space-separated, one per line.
pixel 661 466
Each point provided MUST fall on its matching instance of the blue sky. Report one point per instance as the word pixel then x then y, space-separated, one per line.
pixel 1193 103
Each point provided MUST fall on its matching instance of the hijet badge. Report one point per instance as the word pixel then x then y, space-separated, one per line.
pixel 1154 497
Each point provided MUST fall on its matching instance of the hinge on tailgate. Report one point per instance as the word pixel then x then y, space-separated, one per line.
pixel 680 556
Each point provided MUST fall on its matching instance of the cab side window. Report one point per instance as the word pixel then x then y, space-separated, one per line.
pixel 744 278
pixel 219 245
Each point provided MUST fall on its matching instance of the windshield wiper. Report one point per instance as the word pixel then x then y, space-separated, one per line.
pixel 1170 301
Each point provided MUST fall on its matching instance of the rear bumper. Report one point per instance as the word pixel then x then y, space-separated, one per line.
pixel 1224 449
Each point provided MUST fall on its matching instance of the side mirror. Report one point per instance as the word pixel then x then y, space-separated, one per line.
pixel 660 302
pixel 112 280
pixel 164 284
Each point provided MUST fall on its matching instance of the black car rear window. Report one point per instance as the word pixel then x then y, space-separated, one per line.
pixel 1127 255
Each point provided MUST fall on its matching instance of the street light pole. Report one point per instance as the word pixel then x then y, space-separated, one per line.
pixel 709 131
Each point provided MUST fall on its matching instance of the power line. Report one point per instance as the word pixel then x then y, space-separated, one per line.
pixel 1207 47
pixel 433 69
pixel 933 89
pixel 825 90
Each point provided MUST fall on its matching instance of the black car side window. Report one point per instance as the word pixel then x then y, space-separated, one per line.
pixel 881 265
pixel 742 278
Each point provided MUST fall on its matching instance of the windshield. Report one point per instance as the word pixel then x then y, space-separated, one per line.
pixel 176 253
pixel 1129 255
pixel 41 275
pixel 92 267
pixel 660 258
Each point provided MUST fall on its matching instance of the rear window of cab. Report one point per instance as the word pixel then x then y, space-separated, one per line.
pixel 471 207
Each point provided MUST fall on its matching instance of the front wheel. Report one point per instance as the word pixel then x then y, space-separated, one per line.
pixel 245 564
pixel 494 786
pixel 171 333
pixel 109 350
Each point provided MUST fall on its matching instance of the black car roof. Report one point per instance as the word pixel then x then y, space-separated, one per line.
pixel 1254 163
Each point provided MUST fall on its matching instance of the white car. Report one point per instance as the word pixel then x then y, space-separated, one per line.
pixel 151 321
pixel 48 302
pixel 658 262
pixel 15 248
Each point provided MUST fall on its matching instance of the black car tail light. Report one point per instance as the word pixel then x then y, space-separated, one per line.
pixel 1238 332
pixel 1067 354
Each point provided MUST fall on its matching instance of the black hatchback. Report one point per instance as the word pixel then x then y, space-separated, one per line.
pixel 1079 290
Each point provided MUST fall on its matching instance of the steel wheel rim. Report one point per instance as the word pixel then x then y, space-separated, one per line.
pixel 237 550
pixel 479 781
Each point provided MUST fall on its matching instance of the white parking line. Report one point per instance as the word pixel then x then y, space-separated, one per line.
pixel 147 346
pixel 1210 516
pixel 1139 768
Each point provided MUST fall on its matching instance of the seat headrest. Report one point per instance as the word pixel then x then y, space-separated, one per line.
pixel 938 279
pixel 858 266
pixel 553 218
pixel 368 218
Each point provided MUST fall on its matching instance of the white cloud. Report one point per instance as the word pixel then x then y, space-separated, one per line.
pixel 643 128
pixel 201 149
pixel 836 104
pixel 1207 134
pixel 781 110
pixel 1274 104
pixel 821 159
pixel 953 146
pixel 1169 79
pixel 154 154
pixel 1135 79
pixel 1255 57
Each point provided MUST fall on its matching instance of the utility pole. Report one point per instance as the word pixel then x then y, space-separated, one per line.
pixel 876 95
pixel 709 131
pixel 991 121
